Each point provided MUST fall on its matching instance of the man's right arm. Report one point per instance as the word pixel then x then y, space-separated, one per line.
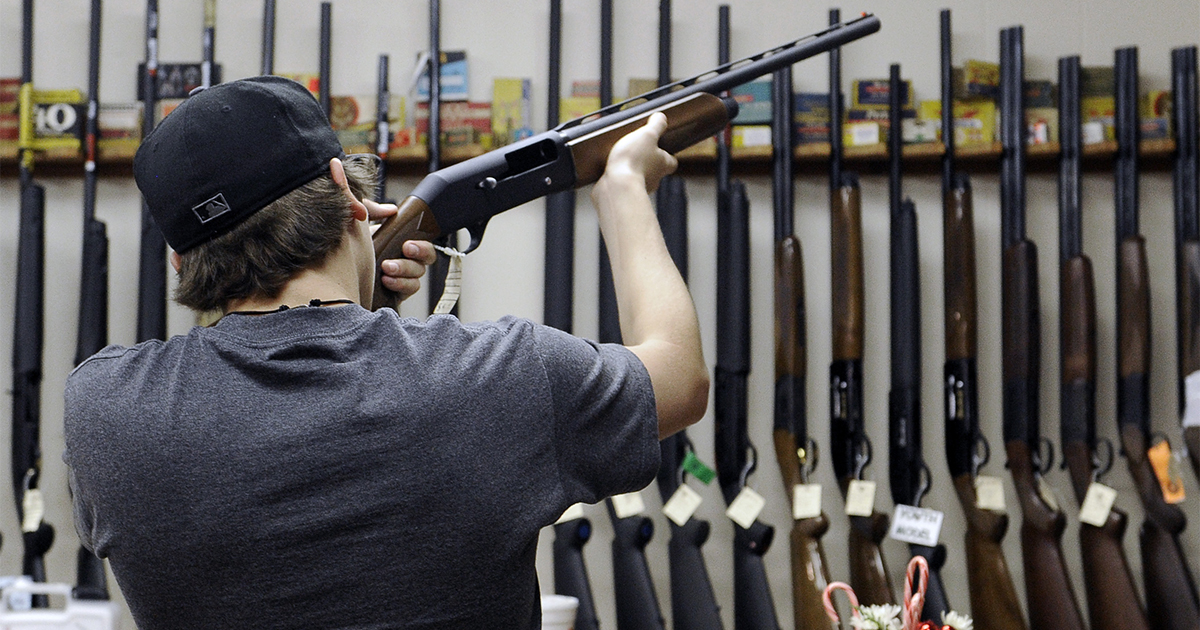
pixel 658 319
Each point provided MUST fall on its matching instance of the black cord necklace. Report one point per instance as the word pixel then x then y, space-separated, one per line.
pixel 283 307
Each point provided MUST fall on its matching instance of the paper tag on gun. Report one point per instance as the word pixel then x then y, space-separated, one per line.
pixel 989 493
pixel 745 507
pixel 453 281
pixel 806 500
pixel 628 504
pixel 1097 504
pixel 917 526
pixel 682 505
pixel 860 498
pixel 33 508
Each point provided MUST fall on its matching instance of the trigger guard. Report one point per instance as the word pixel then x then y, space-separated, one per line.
pixel 476 234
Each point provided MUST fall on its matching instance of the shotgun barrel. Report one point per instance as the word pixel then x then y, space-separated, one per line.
pixel 1186 173
pixel 268 38
pixel 152 259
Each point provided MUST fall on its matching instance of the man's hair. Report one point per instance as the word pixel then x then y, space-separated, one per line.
pixel 258 257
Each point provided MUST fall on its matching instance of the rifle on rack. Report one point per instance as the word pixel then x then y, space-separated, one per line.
pixel 795 452
pixel 36 535
pixel 1112 598
pixel 570 572
pixel 633 587
pixel 91 581
pixel 994 601
pixel 382 131
pixel 1048 590
pixel 1171 599
pixel 906 466
pixel 1187 241
pixel 850 444
pixel 468 194
pixel 268 38
pixel 152 259
pixel 325 59
pixel 693 604
pixel 441 266
pixel 208 43
pixel 736 457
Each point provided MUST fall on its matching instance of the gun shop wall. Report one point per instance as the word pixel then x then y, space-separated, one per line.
pixel 505 275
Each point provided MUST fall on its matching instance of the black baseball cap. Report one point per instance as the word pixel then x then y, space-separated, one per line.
pixel 228 151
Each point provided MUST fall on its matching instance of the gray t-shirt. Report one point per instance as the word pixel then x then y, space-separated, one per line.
pixel 337 468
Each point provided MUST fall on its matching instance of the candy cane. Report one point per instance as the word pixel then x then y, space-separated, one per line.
pixel 827 597
pixel 913 603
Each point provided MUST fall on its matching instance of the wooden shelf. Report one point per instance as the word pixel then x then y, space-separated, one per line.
pixel 918 158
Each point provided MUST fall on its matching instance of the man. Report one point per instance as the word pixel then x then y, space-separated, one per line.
pixel 306 463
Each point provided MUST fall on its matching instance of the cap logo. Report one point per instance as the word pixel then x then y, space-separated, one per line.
pixel 212 208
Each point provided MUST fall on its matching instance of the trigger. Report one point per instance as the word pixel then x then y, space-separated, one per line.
pixel 476 233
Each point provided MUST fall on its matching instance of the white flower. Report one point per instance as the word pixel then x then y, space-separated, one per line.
pixel 958 621
pixel 877 617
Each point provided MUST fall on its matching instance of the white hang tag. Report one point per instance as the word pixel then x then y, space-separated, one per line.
pixel 453 281
pixel 1047 493
pixel 33 509
pixel 806 500
pixel 917 526
pixel 746 507
pixel 682 505
pixel 572 513
pixel 1191 400
pixel 629 504
pixel 860 498
pixel 1097 504
pixel 989 493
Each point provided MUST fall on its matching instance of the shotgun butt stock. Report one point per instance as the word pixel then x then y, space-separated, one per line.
pixel 936 603
pixel 693 604
pixel 810 573
pixel 413 221
pixel 868 575
pixel 1113 602
pixel 570 573
pixel 753 607
pixel 637 604
pixel 994 601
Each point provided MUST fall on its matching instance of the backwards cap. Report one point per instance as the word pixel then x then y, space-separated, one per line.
pixel 228 151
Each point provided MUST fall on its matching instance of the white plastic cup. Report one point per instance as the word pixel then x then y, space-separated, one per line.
pixel 558 612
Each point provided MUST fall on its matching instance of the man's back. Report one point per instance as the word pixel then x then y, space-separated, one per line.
pixel 330 467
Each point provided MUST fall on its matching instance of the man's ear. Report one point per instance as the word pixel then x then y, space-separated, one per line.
pixel 338 173
pixel 176 260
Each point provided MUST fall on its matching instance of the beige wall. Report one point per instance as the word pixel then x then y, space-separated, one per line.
pixel 509 39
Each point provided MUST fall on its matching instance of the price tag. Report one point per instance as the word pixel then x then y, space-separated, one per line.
pixel 1166 468
pixel 989 493
pixel 572 513
pixel 697 468
pixel 863 133
pixel 1097 504
pixel 860 498
pixel 629 504
pixel 1047 494
pixel 33 508
pixel 682 505
pixel 746 507
pixel 1191 400
pixel 806 500
pixel 453 285
pixel 917 526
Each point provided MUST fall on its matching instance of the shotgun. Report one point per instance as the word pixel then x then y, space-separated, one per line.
pixel 736 458
pixel 325 59
pixel 468 194
pixel 433 146
pixel 633 586
pixel 1170 590
pixel 850 444
pixel 91 582
pixel 152 258
pixel 795 452
pixel 1187 241
pixel 207 43
pixel 570 572
pixel 382 133
pixel 268 38
pixel 906 466
pixel 1049 594
pixel 693 603
pixel 994 601
pixel 36 535
pixel 1112 598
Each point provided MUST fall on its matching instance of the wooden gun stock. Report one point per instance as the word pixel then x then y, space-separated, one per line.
pixel 846 251
pixel 810 573
pixel 868 574
pixel 994 603
pixel 959 239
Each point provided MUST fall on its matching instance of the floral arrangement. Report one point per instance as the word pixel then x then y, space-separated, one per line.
pixel 891 616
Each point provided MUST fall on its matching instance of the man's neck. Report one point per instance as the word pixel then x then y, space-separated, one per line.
pixel 335 280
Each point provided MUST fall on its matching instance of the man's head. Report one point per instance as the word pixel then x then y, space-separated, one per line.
pixel 238 180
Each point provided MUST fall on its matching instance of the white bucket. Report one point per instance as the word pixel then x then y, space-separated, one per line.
pixel 558 612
